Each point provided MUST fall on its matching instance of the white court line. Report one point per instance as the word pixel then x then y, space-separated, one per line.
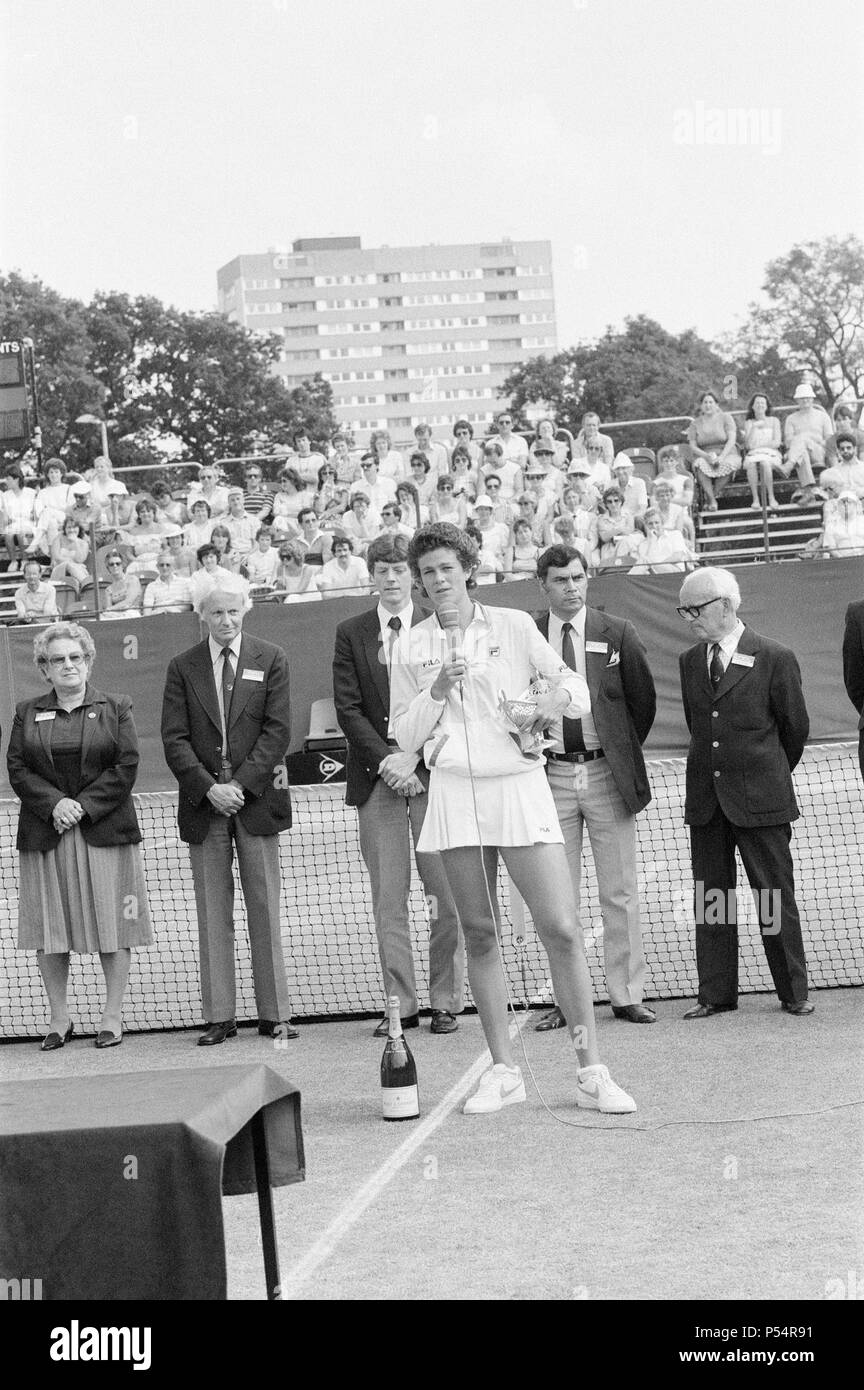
pixel 371 1190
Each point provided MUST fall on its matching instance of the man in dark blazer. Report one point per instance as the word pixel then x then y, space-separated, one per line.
pixel 596 768
pixel 853 667
pixel 388 787
pixel 748 724
pixel 225 731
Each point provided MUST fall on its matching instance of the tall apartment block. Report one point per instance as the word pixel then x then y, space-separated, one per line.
pixel 403 334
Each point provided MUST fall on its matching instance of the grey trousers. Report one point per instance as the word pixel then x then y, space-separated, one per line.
pixel 260 879
pixel 586 796
pixel 387 823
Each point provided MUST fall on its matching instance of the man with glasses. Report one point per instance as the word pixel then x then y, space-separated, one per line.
pixel 514 448
pixel 209 490
pixel 379 490
pixel 257 497
pixel 748 724
pixel 502 512
pixel 596 769
pixel 846 473
pixel 167 593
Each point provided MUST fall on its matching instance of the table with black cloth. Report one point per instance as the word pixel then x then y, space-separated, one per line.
pixel 111 1186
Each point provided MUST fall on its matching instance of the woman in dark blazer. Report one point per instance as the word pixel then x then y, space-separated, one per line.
pixel 73 757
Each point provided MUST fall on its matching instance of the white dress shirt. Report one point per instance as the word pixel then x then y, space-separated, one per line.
pixel 728 646
pixel 216 659
pixel 395 651
pixel 556 638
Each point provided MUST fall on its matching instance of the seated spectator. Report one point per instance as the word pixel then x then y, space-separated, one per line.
pixel 199 530
pixel 439 459
pixel 361 523
pixel 846 472
pixel 388 461
pixel 632 489
pixel 331 499
pixel 526 510
pixel 414 514
pixel 508 472
pixel 657 551
pixel 514 449
pixel 445 505
pixel 294 578
pixel 262 563
pixel 69 551
pixel 590 444
pixel 184 557
pixel 208 489
pixel 307 460
pixel 494 540
pixel 220 537
pixel 167 593
pixel 36 598
pixel 671 466
pixel 145 536
pixel 844 417
pixel 543 460
pixel 17 515
pixel 463 474
pixel 291 496
pixel 240 524
pixel 81 510
pixel 122 598
pixel 553 451
pixel 209 575
pixel 520 559
pixel 463 433
pixel 378 489
pixel 346 575
pixel 106 492
pixel 257 497
pixel 579 475
pixel 167 510
pixel 563 532
pixel 346 463
pixel 613 523
pixel 843 533
pixel 713 441
pixel 422 477
pixel 806 433
pixel 762 440
pixel 317 544
pixel 577 504
pixel 503 512
pixel 52 503
pixel 392 523
pixel 536 486
pixel 673 516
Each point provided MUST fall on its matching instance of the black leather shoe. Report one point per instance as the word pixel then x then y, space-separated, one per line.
pixel 635 1013
pixel 52 1041
pixel 706 1010
pixel 413 1021
pixel 108 1039
pixel 552 1020
pixel 805 1007
pixel 442 1022
pixel 217 1033
pixel 283 1029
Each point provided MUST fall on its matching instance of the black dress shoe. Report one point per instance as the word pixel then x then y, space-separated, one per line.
pixel 52 1041
pixel 108 1039
pixel 442 1022
pixel 635 1013
pixel 283 1029
pixel 805 1007
pixel 217 1033
pixel 413 1021
pixel 550 1021
pixel 706 1010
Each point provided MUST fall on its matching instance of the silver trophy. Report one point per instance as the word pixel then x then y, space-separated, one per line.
pixel 520 713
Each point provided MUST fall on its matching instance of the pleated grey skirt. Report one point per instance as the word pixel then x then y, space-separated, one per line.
pixel 81 897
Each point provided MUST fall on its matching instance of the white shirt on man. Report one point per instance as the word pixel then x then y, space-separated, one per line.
pixel 555 640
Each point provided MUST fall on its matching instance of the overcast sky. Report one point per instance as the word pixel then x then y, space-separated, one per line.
pixel 146 142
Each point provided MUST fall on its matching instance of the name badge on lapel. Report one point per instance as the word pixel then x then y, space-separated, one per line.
pixel 742 659
pixel 600 647
pixel 250 675
pixel 45 714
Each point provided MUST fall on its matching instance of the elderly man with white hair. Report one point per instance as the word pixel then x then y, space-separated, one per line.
pixel 748 724
pixel 225 731
pixel 633 489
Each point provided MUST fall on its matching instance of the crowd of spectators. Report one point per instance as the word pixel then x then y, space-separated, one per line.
pixel 300 532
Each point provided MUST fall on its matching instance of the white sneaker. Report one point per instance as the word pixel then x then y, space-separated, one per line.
pixel 595 1090
pixel 499 1086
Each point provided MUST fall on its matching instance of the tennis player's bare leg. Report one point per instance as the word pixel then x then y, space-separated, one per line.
pixel 464 871
pixel 541 874
pixel 115 965
pixel 54 969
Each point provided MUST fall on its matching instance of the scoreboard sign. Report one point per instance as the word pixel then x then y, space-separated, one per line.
pixel 14 408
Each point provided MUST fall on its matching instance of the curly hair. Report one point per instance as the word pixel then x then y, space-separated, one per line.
pixel 438 535
pixel 59 632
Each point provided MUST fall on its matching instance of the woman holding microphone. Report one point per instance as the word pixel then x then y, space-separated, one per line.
pixel 487 798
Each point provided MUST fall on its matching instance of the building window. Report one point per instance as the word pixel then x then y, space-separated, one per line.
pixel 503 318
pixel 299 282
pixel 500 294
pixel 392 277
pixel 396 373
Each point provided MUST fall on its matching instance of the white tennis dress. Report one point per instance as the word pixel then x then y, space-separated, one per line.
pixel 466 741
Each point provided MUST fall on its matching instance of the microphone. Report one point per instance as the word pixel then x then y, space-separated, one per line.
pixel 449 620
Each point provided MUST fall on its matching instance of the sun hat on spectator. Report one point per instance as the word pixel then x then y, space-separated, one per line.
pixel 80 489
pixel 580 466
pixel 804 392
pixel 485 502
pixel 622 461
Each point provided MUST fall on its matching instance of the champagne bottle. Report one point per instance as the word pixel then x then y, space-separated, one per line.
pixel 400 1099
